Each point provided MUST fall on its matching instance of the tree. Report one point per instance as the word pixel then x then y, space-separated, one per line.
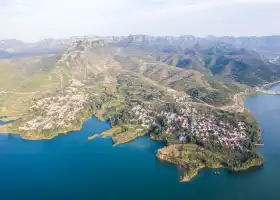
pixel 194 92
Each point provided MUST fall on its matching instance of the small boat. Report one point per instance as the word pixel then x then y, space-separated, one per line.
pixel 217 173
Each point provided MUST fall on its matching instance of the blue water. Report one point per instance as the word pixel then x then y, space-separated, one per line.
pixel 71 167
pixel 8 122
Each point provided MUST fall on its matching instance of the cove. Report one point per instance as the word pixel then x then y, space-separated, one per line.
pixel 5 122
pixel 71 167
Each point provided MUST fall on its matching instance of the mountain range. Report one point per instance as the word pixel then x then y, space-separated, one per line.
pixel 247 60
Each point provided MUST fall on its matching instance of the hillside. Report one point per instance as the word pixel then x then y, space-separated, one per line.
pixel 212 55
pixel 211 70
pixel 61 81
pixel 248 60
pixel 21 80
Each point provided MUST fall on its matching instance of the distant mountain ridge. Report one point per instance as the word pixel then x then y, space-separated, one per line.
pixel 219 56
pixel 265 45
pixel 253 61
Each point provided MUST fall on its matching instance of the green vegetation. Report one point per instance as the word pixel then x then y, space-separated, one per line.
pixel 192 158
pixel 221 92
pixel 111 132
pixel 23 80
pixel 127 134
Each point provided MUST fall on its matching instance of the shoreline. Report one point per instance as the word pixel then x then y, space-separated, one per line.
pixel 9 119
pixel 187 178
pixel 35 136
pixel 51 134
pixel 42 137
pixel 127 140
pixel 270 85
pixel 189 174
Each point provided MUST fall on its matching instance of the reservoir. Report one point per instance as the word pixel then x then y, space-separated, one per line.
pixel 71 167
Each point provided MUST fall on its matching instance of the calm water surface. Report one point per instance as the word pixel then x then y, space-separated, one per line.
pixel 70 167
pixel 3 123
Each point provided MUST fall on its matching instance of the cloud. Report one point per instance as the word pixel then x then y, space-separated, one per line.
pixel 34 19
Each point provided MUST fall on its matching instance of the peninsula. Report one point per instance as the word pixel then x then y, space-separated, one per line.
pixel 93 137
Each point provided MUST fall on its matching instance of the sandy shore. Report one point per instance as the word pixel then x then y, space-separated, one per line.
pixel 92 137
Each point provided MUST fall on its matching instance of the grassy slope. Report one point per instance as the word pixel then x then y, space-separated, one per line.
pixel 245 69
pixel 24 80
pixel 174 70
pixel 215 57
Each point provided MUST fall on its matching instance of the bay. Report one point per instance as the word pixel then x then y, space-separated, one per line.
pixel 71 167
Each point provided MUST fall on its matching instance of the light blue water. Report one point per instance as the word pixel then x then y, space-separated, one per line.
pixel 70 167
pixel 3 123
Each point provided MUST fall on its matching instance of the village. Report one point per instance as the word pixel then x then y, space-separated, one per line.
pixel 191 122
pixel 58 111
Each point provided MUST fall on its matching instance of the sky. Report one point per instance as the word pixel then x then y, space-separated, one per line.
pixel 33 20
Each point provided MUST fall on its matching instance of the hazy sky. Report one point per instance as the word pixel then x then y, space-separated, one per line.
pixel 32 20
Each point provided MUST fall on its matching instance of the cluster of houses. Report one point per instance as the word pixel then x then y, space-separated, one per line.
pixel 176 120
pixel 142 116
pixel 227 135
pixel 198 124
pixel 58 111
pixel 205 124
